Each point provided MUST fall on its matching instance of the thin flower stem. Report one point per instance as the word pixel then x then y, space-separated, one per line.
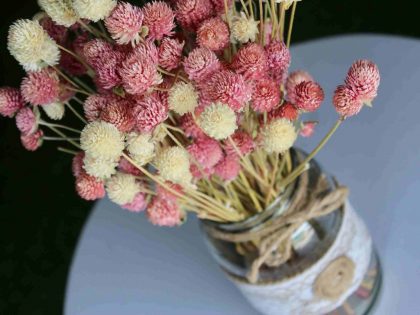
pixel 83 85
pixel 65 77
pixel 172 74
pixel 94 31
pixel 79 59
pixel 78 91
pixel 76 113
pixel 251 9
pixel 64 136
pixel 245 9
pixel 262 23
pixel 60 138
pixel 44 123
pixel 282 13
pixel 251 192
pixel 273 16
pixel 292 18
pixel 65 150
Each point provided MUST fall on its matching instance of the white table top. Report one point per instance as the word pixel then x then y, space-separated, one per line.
pixel 125 266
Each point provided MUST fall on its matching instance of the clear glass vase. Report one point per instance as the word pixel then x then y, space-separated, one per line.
pixel 321 246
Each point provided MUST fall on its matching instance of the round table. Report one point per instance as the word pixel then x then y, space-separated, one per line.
pixel 123 265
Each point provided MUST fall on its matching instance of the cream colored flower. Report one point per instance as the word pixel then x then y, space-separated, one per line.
pixel 60 11
pixel 183 98
pixel 122 188
pixel 278 136
pixel 218 121
pixel 141 147
pixel 102 140
pixel 173 164
pixel 31 46
pixel 55 110
pixel 159 133
pixel 99 167
pixel 94 10
pixel 244 29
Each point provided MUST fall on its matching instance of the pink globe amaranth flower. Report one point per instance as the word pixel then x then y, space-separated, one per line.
pixel 201 172
pixel 93 106
pixel 126 167
pixel 286 110
pixel 149 111
pixel 346 101
pixel 124 23
pixel 190 128
pixel 138 73
pixel 41 88
pixel 89 187
pixel 147 49
pixel 363 76
pixel 278 56
pixel 265 96
pixel 308 129
pixel 77 164
pixel 228 168
pixel 10 101
pixel 243 142
pixel 191 13
pixel 163 193
pixel 164 212
pixel 200 64
pixel 206 151
pixel 293 80
pixel 226 87
pixel 170 53
pixel 213 34
pixel 159 19
pixel 219 5
pixel 57 32
pixel 251 62
pixel 26 121
pixel 32 141
pixel 138 204
pixel 96 50
pixel 118 112
pixel 309 96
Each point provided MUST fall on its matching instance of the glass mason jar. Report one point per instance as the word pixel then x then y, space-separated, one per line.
pixel 333 268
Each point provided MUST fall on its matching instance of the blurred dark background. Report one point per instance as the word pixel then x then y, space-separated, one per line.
pixel 40 215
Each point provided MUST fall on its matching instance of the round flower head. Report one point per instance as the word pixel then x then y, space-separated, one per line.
pixel 286 110
pixel 309 96
pixel 163 193
pixel 141 147
pixel 206 151
pixel 213 34
pixel 60 11
pixel 219 5
pixel 102 140
pixel 189 126
pixel 346 101
pixel 278 60
pixel 118 113
pixel 32 141
pixel 89 187
pixel 26 121
pixel 77 164
pixel 55 110
pixel 243 142
pixel 244 29
pixel 278 136
pixel 124 23
pixel 228 168
pixel 149 111
pixel 265 96
pixel 170 53
pixel 183 98
pixel 164 212
pixel 218 121
pixel 174 165
pixel 363 76
pixel 159 19
pixel 148 49
pixel 251 62
pixel 57 32
pixel 10 101
pixel 107 71
pixel 94 10
pixel 201 172
pixel 99 167
pixel 293 80
pixel 122 188
pixel 138 204
pixel 200 63
pixel 31 46
pixel 93 106
pixel 96 50
pixel 191 13
pixel 41 88
pixel 308 129
pixel 227 87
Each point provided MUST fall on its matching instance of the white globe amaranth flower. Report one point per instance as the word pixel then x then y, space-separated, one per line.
pixel 31 46
pixel 122 188
pixel 182 98
pixel 173 164
pixel 99 167
pixel 159 133
pixel 243 29
pixel 60 11
pixel 55 110
pixel 141 147
pixel 218 121
pixel 102 140
pixel 278 136
pixel 94 10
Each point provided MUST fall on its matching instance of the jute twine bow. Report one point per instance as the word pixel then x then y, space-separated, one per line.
pixel 274 237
